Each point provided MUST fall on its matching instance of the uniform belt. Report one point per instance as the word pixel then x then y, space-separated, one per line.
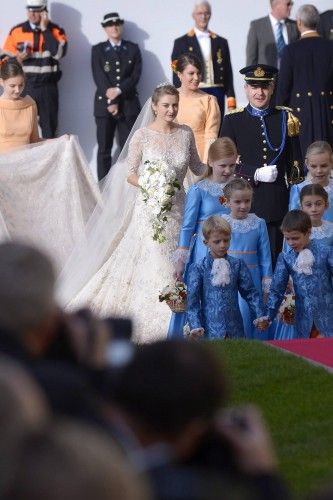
pixel 207 85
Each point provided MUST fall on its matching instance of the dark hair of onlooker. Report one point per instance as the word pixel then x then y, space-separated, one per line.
pixel 170 383
pixel 296 220
pixel 188 59
pixel 10 68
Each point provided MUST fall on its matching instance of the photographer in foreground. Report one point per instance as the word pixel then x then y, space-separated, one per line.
pixel 170 396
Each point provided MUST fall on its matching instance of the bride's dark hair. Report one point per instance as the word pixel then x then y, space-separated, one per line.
pixel 10 68
pixel 165 88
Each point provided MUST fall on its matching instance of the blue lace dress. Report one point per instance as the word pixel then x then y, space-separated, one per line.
pixel 249 242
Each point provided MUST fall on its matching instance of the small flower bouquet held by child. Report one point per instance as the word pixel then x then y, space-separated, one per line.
pixel 158 184
pixel 175 296
pixel 287 310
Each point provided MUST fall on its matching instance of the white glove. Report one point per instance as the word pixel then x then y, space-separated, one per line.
pixel 266 174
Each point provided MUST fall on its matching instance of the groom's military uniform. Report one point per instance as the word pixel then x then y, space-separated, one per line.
pixel 114 66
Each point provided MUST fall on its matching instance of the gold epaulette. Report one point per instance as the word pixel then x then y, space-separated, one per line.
pixel 237 110
pixel 292 122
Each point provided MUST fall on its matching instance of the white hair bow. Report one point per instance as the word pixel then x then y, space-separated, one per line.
pixel 220 272
pixel 304 262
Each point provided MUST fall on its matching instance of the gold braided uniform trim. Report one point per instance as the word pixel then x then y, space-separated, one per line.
pixel 237 110
pixel 292 122
pixel 284 108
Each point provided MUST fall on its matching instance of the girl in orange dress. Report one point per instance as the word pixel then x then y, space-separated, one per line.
pixel 18 115
pixel 197 109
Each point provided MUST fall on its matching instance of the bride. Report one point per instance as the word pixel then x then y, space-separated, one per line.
pixel 118 268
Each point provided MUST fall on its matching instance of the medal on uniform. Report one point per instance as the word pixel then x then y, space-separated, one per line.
pixel 107 66
pixel 219 56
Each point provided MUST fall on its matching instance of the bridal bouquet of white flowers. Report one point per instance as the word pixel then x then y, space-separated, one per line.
pixel 158 184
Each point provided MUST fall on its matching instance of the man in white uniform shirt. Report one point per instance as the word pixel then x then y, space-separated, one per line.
pixel 213 51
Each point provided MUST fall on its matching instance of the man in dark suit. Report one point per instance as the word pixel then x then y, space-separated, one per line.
pixel 268 35
pixel 306 79
pixel 267 141
pixel 116 67
pixel 326 24
pixel 213 51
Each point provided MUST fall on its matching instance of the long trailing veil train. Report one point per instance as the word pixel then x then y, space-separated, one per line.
pixel 47 194
pixel 107 224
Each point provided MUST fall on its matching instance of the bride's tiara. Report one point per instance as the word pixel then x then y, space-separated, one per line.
pixel 163 84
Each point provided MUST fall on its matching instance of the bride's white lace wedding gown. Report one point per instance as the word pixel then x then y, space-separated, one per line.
pixel 137 267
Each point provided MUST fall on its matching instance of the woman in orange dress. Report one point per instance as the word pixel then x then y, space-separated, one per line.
pixel 197 109
pixel 18 115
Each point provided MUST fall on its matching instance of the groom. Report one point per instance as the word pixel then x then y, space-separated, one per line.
pixel 116 67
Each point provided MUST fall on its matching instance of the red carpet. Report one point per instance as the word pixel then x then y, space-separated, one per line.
pixel 317 350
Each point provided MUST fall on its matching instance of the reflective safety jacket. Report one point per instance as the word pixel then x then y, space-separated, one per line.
pixel 45 48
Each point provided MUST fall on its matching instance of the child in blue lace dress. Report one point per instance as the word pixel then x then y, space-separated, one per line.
pixel 213 286
pixel 205 198
pixel 314 202
pixel 310 265
pixel 319 162
pixel 250 242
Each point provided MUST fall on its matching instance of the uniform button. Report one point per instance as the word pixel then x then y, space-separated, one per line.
pixel 265 157
pixel 118 70
pixel 264 149
pixel 117 62
pixel 118 77
pixel 118 84
pixel 221 77
pixel 130 61
pixel 100 97
pixel 331 107
pixel 262 133
pixel 262 125
pixel 221 68
pixel 309 94
pixel 298 95
pixel 331 92
pixel 322 93
pixel 298 109
pixel 264 142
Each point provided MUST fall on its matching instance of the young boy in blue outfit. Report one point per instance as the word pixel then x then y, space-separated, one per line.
pixel 213 286
pixel 310 264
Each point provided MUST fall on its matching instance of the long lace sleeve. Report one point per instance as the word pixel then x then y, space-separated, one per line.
pixel 195 164
pixel 134 156
pixel 213 122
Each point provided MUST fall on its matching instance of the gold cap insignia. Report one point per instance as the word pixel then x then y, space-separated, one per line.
pixel 259 72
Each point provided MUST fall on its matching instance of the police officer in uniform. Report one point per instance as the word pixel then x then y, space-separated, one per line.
pixel 116 67
pixel 213 52
pixel 267 141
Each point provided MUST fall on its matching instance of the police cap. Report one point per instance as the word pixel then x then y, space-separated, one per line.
pixel 259 74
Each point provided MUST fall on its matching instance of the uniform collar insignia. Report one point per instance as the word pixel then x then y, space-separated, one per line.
pixel 191 32
pixel 212 34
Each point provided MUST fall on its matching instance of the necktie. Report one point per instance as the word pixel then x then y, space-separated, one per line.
pixel 280 43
